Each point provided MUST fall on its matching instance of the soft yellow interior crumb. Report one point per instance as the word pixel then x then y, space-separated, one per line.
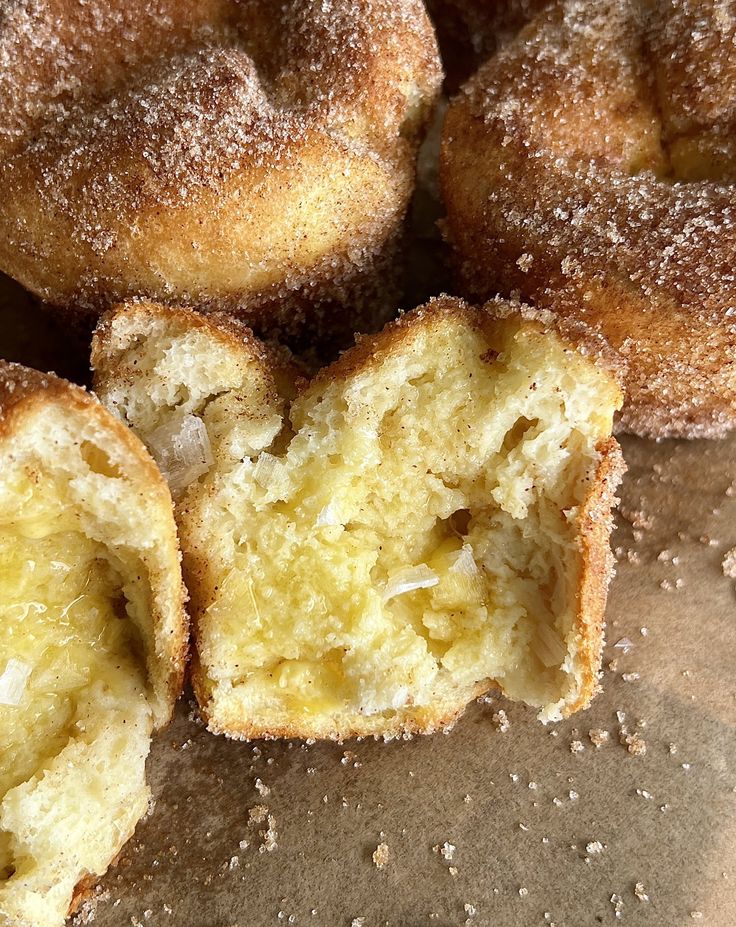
pixel 72 750
pixel 308 519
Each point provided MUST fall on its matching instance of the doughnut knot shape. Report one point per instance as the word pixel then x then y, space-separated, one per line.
pixel 590 167
pixel 252 156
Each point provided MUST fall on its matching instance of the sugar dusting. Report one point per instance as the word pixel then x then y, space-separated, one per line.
pixel 119 122
pixel 606 139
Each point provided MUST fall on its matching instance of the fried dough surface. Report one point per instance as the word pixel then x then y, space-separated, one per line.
pixel 248 156
pixel 589 168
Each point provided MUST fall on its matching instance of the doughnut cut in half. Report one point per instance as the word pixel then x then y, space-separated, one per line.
pixel 425 519
pixel 93 641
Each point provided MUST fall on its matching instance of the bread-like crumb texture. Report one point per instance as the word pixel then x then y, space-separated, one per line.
pixel 428 517
pixel 94 639
pixel 252 155
pixel 588 167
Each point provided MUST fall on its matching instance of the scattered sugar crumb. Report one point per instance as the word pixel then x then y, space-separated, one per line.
pixel 618 905
pixel 576 746
pixel 269 836
pixel 598 737
pixel 381 856
pixel 634 743
pixel 447 850
pixel 640 892
pixel 729 563
pixel 500 719
pixel 257 814
pixel 594 848
pixel 262 789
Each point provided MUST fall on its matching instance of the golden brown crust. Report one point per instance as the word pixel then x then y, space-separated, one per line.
pixel 595 521
pixel 24 391
pixel 423 721
pixel 230 331
pixel 581 213
pixel 247 156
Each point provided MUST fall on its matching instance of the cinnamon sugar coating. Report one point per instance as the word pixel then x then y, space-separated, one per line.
pixel 588 167
pixel 247 156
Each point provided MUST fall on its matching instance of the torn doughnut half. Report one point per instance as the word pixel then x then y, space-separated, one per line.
pixel 425 519
pixel 93 643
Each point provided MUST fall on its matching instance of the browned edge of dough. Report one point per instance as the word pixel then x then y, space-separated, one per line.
pixel 22 390
pixel 594 519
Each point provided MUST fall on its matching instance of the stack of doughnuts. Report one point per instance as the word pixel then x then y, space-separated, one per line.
pixel 588 168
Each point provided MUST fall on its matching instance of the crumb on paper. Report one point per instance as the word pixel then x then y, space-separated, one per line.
pixel 729 563
pixel 624 645
pixel 257 814
pixel 262 789
pixel 269 836
pixel 447 850
pixel 634 743
pixel 523 892
pixel 576 746
pixel 640 892
pixel 357 922
pixel 598 736
pixel 470 909
pixel 618 905
pixel 381 856
pixel 594 848
pixel 501 720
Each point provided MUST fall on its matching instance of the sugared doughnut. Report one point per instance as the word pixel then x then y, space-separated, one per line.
pixel 589 167
pixel 427 518
pixel 251 156
pixel 93 639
